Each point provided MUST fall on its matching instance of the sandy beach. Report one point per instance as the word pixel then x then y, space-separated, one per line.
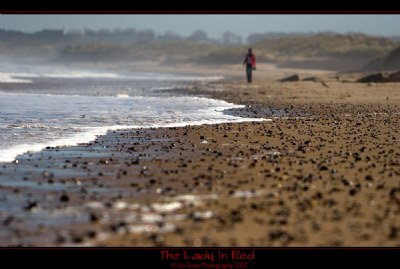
pixel 322 169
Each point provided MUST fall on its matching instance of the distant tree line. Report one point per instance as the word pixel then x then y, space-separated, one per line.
pixel 127 36
pixel 131 36
pixel 168 48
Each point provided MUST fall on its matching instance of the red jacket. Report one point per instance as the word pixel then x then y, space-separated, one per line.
pixel 251 61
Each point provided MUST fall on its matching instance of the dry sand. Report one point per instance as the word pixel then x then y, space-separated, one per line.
pixel 265 70
pixel 323 172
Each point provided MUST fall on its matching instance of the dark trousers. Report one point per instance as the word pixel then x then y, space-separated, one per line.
pixel 249 72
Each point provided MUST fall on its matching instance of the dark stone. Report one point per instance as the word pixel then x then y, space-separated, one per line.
pixel 136 161
pixel 369 178
pixel 60 239
pixel 236 216
pixel 290 78
pixel 394 231
pixel 394 77
pixel 77 239
pixel 377 78
pixel 31 205
pixel 357 157
pixel 279 235
pixel 393 192
pixel 117 226
pixel 64 198
pixel 317 195
pixel 323 168
pixel 353 192
pixel 311 79
pixel 94 217
pixel 8 220
pixel 91 234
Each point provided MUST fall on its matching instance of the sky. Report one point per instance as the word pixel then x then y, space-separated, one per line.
pixel 214 25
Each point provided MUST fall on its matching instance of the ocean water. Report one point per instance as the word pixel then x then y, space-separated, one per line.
pixel 42 106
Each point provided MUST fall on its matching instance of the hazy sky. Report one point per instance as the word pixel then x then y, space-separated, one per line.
pixel 214 25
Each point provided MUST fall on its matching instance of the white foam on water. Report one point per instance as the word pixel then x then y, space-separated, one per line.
pixel 66 73
pixel 63 120
pixel 39 116
pixel 8 78
pixel 10 154
pixel 122 95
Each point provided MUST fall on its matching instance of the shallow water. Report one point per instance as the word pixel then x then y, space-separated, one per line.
pixel 43 109
pixel 54 106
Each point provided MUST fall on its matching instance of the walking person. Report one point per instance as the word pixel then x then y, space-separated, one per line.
pixel 250 62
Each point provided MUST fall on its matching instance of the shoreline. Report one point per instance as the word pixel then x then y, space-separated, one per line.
pixel 322 173
pixel 235 71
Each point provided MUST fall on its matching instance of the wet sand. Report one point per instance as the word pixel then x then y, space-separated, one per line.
pixel 322 170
